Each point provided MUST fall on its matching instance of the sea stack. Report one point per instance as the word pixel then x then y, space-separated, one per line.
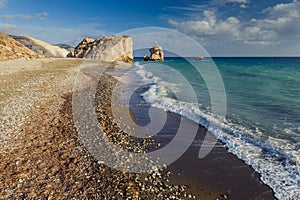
pixel 157 53
pixel 200 58
pixel 146 57
pixel 108 48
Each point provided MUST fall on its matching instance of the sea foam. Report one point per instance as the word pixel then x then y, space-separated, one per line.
pixel 277 164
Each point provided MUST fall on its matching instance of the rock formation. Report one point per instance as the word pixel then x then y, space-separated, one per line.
pixel 82 49
pixel 11 49
pixel 108 48
pixel 200 58
pixel 146 57
pixel 42 47
pixel 157 53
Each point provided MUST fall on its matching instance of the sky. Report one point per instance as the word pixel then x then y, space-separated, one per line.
pixel 222 27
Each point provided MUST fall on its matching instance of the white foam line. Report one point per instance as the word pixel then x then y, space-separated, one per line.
pixel 282 177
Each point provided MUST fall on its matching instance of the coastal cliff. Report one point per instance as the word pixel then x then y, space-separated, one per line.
pixel 108 48
pixel 11 49
pixel 41 47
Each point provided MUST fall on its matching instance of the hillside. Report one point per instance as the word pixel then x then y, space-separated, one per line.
pixel 42 47
pixel 11 49
pixel 65 46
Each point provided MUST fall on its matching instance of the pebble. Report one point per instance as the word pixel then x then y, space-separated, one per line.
pixel 56 174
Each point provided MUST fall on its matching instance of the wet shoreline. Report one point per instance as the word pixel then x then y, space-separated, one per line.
pixel 219 175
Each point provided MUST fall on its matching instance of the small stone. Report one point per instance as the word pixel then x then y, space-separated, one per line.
pixel 224 196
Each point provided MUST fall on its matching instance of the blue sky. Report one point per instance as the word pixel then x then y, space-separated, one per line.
pixel 222 27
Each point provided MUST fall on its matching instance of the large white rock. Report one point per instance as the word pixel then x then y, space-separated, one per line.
pixel 157 53
pixel 108 48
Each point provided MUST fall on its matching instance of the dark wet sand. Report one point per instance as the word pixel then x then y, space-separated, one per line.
pixel 219 175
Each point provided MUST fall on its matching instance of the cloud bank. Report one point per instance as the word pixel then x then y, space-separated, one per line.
pixel 41 16
pixel 278 27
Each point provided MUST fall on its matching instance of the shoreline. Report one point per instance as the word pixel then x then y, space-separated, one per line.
pixel 46 159
pixel 225 175
pixel 220 174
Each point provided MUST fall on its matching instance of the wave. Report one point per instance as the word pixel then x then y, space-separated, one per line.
pixel 275 159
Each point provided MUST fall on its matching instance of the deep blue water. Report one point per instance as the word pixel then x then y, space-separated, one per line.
pixel 262 123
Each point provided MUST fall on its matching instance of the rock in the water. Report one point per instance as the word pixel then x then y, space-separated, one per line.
pixel 157 53
pixel 146 57
pixel 200 58
pixel 108 48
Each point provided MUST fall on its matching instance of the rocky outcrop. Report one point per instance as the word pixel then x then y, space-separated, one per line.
pixel 146 57
pixel 82 49
pixel 200 58
pixel 108 48
pixel 157 53
pixel 41 47
pixel 11 49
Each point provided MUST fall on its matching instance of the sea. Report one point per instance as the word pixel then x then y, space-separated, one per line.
pixel 261 125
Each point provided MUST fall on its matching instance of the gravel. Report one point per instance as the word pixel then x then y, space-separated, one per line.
pixel 41 154
pixel 24 84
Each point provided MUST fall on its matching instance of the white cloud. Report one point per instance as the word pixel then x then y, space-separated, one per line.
pixel 243 6
pixel 8 28
pixel 243 3
pixel 26 17
pixel 280 25
pixel 284 19
pixel 238 1
pixel 209 26
pixel 198 7
pixel 259 43
pixel 3 3
pixel 258 36
pixel 42 15
pixel 275 31
pixel 13 17
pixel 231 29
pixel 283 10
pixel 9 17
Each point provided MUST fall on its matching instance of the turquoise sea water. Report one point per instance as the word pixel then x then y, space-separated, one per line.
pixel 262 123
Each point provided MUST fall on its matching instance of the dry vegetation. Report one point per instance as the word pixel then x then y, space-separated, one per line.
pixel 11 49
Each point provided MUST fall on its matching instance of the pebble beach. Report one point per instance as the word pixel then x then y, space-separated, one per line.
pixel 41 154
